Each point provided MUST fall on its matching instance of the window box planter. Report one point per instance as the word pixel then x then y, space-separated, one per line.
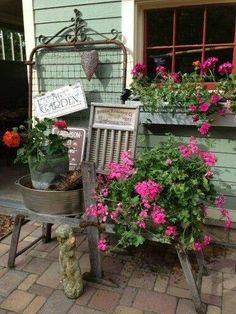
pixel 180 118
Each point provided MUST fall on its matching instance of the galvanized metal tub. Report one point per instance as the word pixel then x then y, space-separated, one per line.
pixel 50 202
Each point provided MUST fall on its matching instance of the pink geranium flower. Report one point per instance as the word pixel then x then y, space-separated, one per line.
pixel 142 225
pixel 192 108
pixel 170 231
pixel 210 63
pixel 221 112
pixel 224 68
pixel 60 124
pixel 206 240
pixel 195 118
pixel 158 215
pixel 185 151
pixel 220 201
pixel 176 77
pixel 215 99
pixel 161 69
pixel 197 246
pixel 169 162
pixel 204 128
pixel 208 158
pixel 102 245
pixel 139 68
pixel 204 107
pixel 148 189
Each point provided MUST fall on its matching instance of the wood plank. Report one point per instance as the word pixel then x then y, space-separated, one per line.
pixel 89 11
pixel 42 4
pixel 89 184
pixel 100 25
pixel 221 145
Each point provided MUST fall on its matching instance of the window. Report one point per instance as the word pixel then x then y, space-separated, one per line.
pixel 176 37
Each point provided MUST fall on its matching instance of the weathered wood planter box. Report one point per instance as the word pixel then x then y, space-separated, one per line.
pixel 181 118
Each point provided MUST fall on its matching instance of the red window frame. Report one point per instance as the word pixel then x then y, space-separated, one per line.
pixel 174 47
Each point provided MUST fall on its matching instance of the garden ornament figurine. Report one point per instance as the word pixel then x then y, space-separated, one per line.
pixel 70 269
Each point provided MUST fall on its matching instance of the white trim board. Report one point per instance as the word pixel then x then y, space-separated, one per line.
pixel 28 16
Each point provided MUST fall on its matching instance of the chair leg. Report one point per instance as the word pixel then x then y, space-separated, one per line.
pixel 47 232
pixel 19 219
pixel 187 269
pixel 201 262
pixel 89 184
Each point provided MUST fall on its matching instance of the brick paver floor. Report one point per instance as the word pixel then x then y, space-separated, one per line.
pixel 149 280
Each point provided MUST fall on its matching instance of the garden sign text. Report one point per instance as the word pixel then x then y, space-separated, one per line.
pixel 60 102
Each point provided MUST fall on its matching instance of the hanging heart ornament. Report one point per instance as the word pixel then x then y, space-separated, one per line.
pixel 89 62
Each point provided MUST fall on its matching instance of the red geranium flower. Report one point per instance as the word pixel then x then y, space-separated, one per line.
pixel 11 139
pixel 60 124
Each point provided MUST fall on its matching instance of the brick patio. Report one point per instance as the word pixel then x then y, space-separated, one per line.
pixel 149 282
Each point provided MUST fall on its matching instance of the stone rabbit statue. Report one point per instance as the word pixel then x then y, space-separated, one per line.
pixel 71 273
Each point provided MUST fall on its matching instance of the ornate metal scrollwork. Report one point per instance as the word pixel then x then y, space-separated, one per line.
pixel 75 32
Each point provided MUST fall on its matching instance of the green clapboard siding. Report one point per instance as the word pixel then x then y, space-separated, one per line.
pixel 222 143
pixel 42 4
pixel 63 67
pixel 103 11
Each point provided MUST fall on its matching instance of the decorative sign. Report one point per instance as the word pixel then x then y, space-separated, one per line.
pixel 60 102
pixel 124 118
pixel 75 143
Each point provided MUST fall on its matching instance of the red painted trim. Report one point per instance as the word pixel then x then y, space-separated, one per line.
pixel 204 36
pixel 173 41
pixel 234 53
pixel 145 32
pixel 226 45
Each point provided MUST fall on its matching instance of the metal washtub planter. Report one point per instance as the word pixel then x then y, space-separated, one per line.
pixel 50 202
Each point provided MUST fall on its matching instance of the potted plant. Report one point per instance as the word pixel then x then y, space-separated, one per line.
pixel 45 152
pixel 164 195
pixel 188 93
pixel 50 188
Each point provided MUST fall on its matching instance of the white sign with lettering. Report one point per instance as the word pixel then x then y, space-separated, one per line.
pixel 60 102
